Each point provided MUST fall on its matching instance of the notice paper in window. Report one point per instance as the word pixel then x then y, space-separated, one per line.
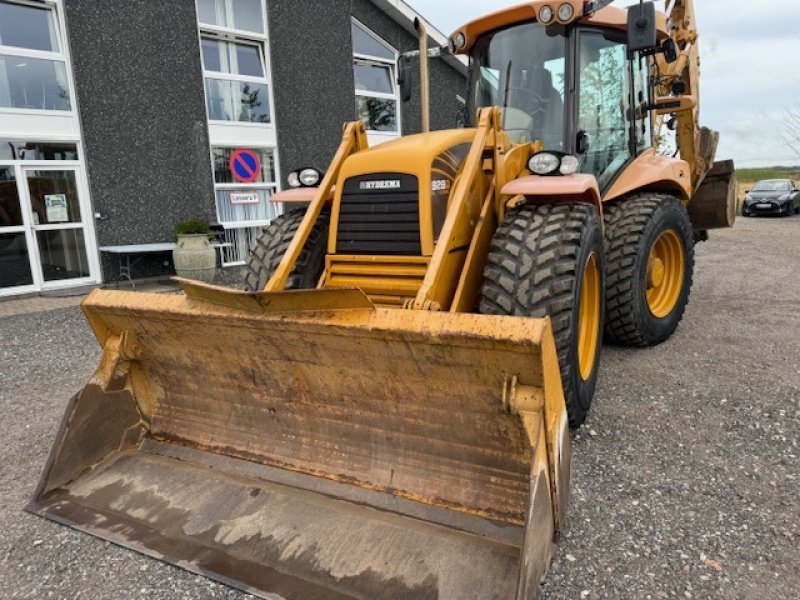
pixel 245 198
pixel 56 206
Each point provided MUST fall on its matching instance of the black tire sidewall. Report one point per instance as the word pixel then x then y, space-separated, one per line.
pixel 668 216
pixel 584 389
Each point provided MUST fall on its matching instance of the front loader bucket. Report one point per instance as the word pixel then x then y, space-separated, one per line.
pixel 307 445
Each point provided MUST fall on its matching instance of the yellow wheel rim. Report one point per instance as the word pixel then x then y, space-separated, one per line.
pixel 665 270
pixel 589 317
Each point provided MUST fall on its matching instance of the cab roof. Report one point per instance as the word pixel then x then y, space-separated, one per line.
pixel 610 16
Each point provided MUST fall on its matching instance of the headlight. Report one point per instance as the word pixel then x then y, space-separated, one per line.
pixel 569 165
pixel 545 15
pixel 565 12
pixel 310 177
pixel 784 198
pixel 549 163
pixel 458 41
pixel 304 178
pixel 544 163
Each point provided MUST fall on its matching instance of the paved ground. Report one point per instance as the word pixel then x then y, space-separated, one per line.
pixel 685 478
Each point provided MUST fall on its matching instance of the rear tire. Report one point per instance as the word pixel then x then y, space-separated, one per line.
pixel 647 290
pixel 546 260
pixel 271 244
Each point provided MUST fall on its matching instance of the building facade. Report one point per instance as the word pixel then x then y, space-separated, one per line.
pixel 119 120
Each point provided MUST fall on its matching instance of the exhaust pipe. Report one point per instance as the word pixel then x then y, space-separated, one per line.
pixel 424 78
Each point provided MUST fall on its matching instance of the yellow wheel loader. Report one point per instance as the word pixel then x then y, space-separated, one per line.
pixel 384 413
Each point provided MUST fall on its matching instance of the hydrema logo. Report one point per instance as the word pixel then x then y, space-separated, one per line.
pixel 381 184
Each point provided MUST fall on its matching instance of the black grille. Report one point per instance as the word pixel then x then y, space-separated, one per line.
pixel 379 214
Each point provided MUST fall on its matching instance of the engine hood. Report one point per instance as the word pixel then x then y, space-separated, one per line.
pixel 412 155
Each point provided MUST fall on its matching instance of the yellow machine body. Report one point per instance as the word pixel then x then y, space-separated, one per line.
pixel 372 438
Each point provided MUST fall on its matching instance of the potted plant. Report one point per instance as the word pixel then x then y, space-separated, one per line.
pixel 194 256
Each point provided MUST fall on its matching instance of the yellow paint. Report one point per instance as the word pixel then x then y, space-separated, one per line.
pixel 666 267
pixel 589 317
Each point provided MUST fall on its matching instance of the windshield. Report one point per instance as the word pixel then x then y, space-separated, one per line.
pixel 522 70
pixel 773 186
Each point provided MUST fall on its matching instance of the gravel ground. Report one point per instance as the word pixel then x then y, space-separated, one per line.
pixel 685 478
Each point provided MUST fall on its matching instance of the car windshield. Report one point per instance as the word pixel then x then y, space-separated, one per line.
pixel 522 70
pixel 777 185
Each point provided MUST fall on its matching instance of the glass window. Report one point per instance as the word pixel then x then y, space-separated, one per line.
pixel 232 57
pixel 373 78
pixel 245 15
pixel 15 266
pixel 522 69
pixel 63 254
pixel 603 106
pixel 24 26
pixel 375 85
pixel 10 206
pixel 378 114
pixel 237 101
pixel 33 83
pixel 15 150
pixel 54 197
pixel 641 90
pixel 222 171
pixel 365 43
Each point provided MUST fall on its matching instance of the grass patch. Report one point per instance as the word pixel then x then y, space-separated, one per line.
pixel 768 173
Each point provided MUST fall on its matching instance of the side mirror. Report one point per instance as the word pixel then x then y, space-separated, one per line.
pixel 642 27
pixel 404 78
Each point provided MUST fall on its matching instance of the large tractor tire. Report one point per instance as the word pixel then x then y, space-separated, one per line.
pixel 550 260
pixel 650 257
pixel 271 244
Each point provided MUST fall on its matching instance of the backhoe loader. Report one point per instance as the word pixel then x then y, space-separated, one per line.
pixel 384 413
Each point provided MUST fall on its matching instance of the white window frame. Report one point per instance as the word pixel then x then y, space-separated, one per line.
pixel 242 134
pixel 60 57
pixel 261 40
pixel 376 136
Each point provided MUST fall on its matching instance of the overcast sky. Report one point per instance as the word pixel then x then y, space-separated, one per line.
pixel 749 55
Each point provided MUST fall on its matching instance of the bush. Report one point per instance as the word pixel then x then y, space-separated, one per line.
pixel 196 226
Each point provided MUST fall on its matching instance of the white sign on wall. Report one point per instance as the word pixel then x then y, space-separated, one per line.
pixel 56 208
pixel 245 198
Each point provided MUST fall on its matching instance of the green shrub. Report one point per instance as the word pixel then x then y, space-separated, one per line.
pixel 196 226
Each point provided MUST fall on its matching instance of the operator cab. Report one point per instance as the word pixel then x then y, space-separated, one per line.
pixel 574 88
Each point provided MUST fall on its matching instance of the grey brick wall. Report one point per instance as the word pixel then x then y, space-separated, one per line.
pixel 139 89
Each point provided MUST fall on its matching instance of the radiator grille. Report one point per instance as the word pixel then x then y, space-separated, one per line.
pixel 379 214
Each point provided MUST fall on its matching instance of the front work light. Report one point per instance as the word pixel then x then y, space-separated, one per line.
pixel 304 178
pixel 551 163
pixel 545 15
pixel 310 177
pixel 544 163
pixel 565 13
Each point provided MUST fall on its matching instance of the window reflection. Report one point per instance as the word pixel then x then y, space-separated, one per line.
pixel 15 266
pixel 245 15
pixel 378 114
pixel 29 27
pixel 237 101
pixel 33 83
pixel 63 254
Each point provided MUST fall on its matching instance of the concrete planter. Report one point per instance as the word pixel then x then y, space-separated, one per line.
pixel 195 258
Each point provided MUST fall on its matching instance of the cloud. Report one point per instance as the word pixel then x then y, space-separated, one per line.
pixel 748 69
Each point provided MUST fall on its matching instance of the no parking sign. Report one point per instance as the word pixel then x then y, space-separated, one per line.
pixel 245 165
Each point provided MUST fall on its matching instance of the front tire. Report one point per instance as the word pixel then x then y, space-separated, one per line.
pixel 549 260
pixel 271 244
pixel 650 252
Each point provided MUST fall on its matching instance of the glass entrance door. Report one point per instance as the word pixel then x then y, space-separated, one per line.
pixel 16 270
pixel 58 224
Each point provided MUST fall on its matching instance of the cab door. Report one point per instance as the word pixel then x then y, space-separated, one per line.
pixel 602 107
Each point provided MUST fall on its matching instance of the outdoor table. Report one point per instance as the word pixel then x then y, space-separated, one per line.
pixel 135 251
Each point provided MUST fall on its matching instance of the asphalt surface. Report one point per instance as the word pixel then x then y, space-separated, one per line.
pixel 685 478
